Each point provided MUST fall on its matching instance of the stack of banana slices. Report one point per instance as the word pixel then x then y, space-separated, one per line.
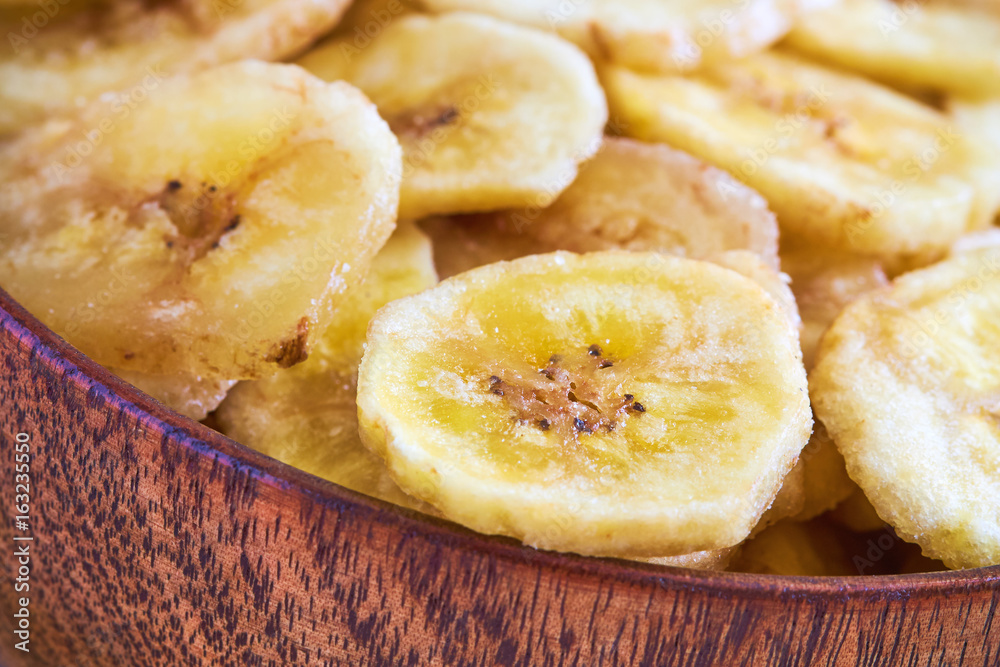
pixel 718 284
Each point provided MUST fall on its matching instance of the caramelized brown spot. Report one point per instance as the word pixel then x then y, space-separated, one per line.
pixel 294 350
pixel 419 123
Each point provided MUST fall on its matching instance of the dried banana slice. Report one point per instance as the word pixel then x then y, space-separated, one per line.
pixel 307 416
pixel 637 196
pixel 980 122
pixel 83 50
pixel 845 163
pixel 718 559
pixel 658 35
pixel 614 403
pixel 824 283
pixel 481 128
pixel 917 45
pixel 908 385
pixel 805 549
pixel 191 396
pixel 856 513
pixel 201 236
pixel 825 482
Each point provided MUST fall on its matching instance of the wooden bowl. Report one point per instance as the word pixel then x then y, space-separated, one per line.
pixel 159 542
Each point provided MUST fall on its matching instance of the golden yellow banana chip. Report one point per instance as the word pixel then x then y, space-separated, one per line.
pixel 209 232
pixel 856 513
pixel 659 35
pixel 919 45
pixel 845 163
pixel 632 196
pixel 824 283
pixel 907 383
pixel 62 52
pixel 980 122
pixel 481 128
pixel 825 482
pixel 307 416
pixel 805 549
pixel 191 396
pixel 612 403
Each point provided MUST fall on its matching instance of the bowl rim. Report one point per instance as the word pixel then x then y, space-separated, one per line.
pixel 17 321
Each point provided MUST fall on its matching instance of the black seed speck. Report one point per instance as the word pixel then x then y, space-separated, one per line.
pixel 579 424
pixel 629 397
pixel 555 359
pixel 173 185
pixel 544 424
pixel 494 380
pixel 170 244
pixel 605 364
pixel 638 407
pixel 233 224
pixel 594 350
pixel 212 188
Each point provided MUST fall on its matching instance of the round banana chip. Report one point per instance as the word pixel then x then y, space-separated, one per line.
pixel 845 163
pixel 481 128
pixel 636 196
pixel 62 52
pixel 659 35
pixel 919 45
pixel 210 231
pixel 615 403
pixel 307 416
pixel 908 385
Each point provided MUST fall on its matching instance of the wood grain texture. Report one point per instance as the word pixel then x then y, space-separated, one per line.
pixel 159 542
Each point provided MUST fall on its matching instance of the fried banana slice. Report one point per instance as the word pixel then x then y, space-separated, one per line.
pixel 200 237
pixel 825 482
pixel 845 163
pixel 980 122
pixel 191 396
pixel 856 513
pixel 805 549
pixel 481 128
pixel 307 416
pixel 615 403
pixel 86 49
pixel 657 35
pixel 907 383
pixel 718 559
pixel 917 45
pixel 634 196
pixel 823 284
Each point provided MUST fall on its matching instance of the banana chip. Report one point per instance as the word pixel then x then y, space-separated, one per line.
pixel 805 549
pixel 191 396
pixel 201 237
pixel 846 164
pixel 481 128
pixel 84 49
pixel 916 45
pixel 980 122
pixel 630 196
pixel 307 416
pixel 825 482
pixel 907 383
pixel 614 403
pixel 824 283
pixel 658 35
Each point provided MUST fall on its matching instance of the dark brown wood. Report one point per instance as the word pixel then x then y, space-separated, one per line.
pixel 159 542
